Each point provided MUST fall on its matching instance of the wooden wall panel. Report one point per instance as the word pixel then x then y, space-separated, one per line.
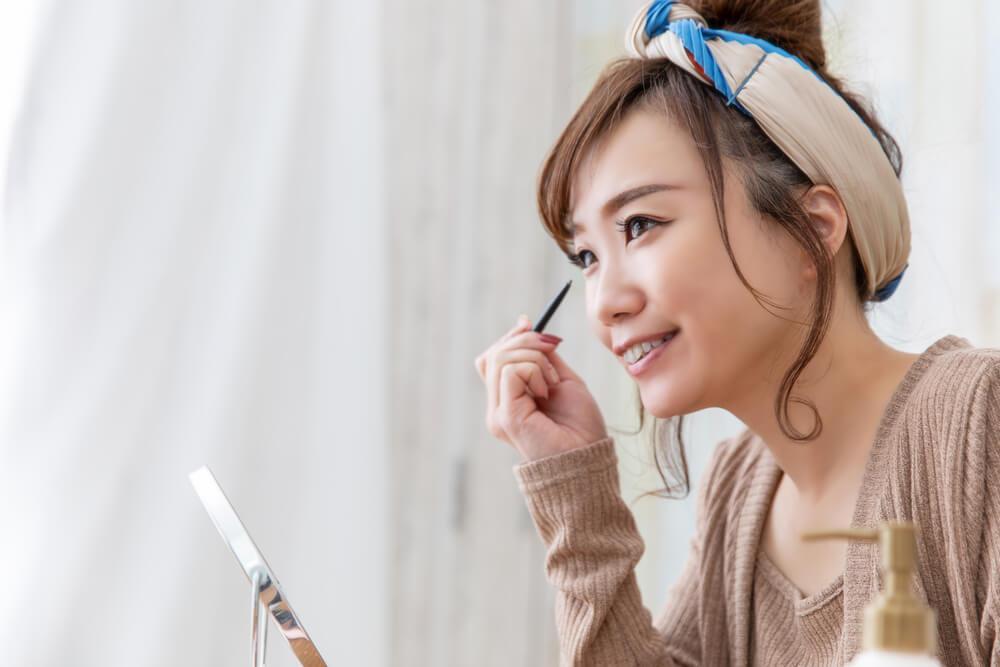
pixel 471 100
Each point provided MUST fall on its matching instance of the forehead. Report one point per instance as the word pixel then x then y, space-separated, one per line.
pixel 646 147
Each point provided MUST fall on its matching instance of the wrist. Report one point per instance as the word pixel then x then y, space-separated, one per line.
pixel 560 466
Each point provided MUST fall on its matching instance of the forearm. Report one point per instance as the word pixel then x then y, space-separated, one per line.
pixel 593 547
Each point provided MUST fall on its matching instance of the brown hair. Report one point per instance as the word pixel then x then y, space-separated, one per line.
pixel 770 179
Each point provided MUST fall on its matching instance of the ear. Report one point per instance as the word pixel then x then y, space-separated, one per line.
pixel 829 217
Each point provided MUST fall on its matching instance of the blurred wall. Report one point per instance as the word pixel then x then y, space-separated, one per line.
pixel 474 92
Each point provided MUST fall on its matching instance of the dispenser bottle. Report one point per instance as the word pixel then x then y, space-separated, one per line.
pixel 899 630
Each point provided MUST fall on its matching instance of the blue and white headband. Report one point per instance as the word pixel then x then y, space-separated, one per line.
pixel 805 117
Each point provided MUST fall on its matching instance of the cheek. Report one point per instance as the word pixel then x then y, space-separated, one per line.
pixel 748 340
pixel 698 280
pixel 724 322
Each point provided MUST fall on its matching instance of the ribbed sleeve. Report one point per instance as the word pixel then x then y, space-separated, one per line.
pixel 593 546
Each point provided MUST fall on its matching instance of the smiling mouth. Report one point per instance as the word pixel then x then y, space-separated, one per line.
pixel 632 360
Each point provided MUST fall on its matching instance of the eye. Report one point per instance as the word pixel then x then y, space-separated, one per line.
pixel 634 223
pixel 577 259
pixel 630 225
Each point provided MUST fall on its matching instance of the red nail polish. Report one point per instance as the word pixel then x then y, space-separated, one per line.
pixel 549 338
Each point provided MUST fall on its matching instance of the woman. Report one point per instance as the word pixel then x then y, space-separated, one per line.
pixel 734 211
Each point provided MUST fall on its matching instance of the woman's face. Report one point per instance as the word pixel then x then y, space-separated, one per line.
pixel 669 269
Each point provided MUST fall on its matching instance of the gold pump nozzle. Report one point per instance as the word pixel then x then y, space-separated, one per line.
pixel 896 620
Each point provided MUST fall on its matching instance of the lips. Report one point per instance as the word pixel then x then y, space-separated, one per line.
pixel 622 348
pixel 651 356
pixel 638 352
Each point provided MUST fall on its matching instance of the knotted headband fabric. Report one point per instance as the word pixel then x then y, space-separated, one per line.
pixel 807 119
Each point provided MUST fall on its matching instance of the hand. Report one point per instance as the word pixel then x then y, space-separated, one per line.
pixel 535 402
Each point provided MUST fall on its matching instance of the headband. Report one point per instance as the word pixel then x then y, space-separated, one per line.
pixel 807 119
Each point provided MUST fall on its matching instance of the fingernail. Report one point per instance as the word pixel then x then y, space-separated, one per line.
pixel 549 338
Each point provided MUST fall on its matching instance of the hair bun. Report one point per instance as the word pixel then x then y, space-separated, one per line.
pixel 794 25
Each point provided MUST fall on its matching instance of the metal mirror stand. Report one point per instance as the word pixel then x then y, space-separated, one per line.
pixel 267 596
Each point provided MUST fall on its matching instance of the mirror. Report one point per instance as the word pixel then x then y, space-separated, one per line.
pixel 267 596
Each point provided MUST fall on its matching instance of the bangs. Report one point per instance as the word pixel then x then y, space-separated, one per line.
pixel 619 87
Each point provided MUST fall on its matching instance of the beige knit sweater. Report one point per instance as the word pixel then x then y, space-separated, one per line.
pixel 935 460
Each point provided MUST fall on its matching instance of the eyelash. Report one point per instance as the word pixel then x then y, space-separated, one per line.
pixel 576 259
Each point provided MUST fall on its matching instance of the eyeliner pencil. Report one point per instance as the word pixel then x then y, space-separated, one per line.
pixel 551 309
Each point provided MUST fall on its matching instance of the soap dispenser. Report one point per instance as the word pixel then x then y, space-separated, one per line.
pixel 899 630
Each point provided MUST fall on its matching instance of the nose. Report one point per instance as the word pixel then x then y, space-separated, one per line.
pixel 616 296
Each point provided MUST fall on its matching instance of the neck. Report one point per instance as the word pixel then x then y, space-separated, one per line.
pixel 850 381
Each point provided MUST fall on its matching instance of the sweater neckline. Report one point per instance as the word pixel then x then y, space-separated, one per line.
pixel 765 477
pixel 802 604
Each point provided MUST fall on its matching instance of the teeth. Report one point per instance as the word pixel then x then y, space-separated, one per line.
pixel 638 351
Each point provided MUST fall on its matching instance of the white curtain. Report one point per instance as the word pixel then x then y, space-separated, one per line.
pixel 193 201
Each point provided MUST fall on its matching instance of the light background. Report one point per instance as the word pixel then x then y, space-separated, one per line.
pixel 272 236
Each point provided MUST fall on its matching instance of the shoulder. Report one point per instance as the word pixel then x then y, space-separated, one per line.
pixel 948 447
pixel 956 399
pixel 942 473
pixel 953 361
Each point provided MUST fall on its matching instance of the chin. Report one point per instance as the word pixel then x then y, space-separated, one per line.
pixel 663 403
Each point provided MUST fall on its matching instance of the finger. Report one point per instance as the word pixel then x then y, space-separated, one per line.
pixel 500 353
pixel 531 339
pixel 530 354
pixel 515 380
pixel 482 361
pixel 496 369
pixel 532 375
pixel 523 324
pixel 516 356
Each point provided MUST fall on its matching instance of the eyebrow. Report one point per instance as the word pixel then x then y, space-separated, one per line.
pixel 622 198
